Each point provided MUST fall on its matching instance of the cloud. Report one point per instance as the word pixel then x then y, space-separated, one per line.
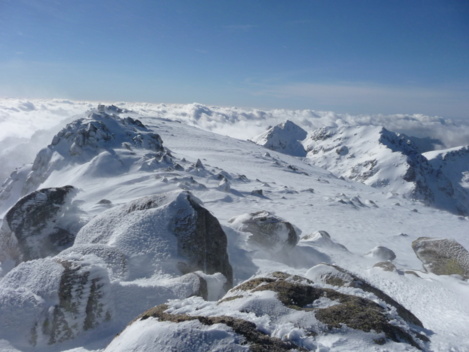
pixel 368 98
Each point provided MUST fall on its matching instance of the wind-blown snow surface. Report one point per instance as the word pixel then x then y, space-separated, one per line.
pixel 233 177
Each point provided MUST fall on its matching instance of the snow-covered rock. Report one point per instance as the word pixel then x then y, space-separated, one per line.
pixel 285 138
pixel 382 253
pixel 105 144
pixel 442 256
pixel 267 230
pixel 47 301
pixel 276 312
pixel 167 233
pixel 334 275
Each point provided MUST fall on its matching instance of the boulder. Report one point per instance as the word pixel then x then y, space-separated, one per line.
pixel 41 224
pixel 442 256
pixel 52 300
pixel 167 233
pixel 275 312
pixel 381 253
pixel 336 276
pixel 267 230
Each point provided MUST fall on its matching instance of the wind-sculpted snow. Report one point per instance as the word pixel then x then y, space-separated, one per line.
pixel 376 157
pixel 105 144
pixel 170 233
pixel 285 138
pixel 147 242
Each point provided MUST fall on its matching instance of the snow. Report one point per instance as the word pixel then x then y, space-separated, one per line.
pixel 360 221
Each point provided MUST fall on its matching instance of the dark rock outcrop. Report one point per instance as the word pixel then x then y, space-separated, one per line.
pixel 41 224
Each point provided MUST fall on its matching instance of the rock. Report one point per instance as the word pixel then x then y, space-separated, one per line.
pixel 336 276
pixel 113 259
pixel 167 233
pixel 276 312
pixel 56 300
pixel 381 253
pixel 386 266
pixel 194 334
pixel 322 238
pixel 41 224
pixel 442 256
pixel 267 230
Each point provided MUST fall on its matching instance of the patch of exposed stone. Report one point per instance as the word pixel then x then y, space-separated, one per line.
pixel 258 341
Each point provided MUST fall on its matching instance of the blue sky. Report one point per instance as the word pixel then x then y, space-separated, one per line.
pixel 356 56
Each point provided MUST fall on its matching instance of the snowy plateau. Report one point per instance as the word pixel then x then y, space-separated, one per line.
pixel 164 227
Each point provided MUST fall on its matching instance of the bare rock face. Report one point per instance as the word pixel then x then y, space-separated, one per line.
pixel 267 230
pixel 41 224
pixel 167 233
pixel 442 256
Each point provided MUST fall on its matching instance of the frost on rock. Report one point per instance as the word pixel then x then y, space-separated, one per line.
pixel 442 256
pixel 276 312
pixel 382 253
pixel 267 230
pixel 39 225
pixel 168 233
pixel 47 301
pixel 285 138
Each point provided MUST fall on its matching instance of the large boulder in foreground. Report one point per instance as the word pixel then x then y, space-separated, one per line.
pixel 167 233
pixel 51 300
pixel 275 312
pixel 267 231
pixel 442 256
pixel 40 224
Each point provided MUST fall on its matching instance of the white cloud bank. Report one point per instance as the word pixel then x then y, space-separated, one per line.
pixel 40 119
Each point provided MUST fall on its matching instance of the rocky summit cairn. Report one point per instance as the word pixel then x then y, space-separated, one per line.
pixel 442 256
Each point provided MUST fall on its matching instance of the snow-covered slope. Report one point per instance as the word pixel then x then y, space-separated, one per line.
pixel 164 211
pixel 379 158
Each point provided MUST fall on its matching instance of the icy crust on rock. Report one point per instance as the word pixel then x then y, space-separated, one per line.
pixel 275 312
pixel 166 234
pixel 285 138
pixel 267 231
pixel 47 301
